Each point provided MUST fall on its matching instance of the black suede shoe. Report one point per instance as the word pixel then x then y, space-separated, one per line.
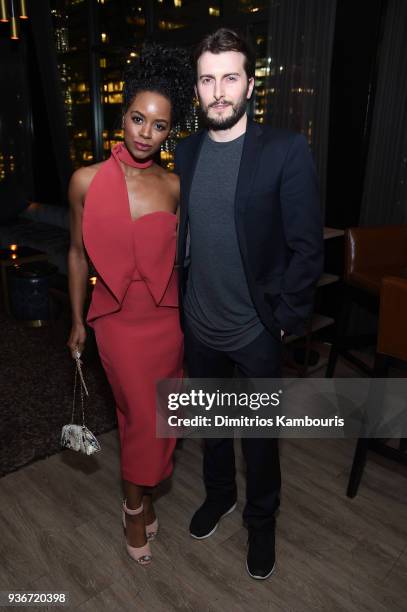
pixel 207 517
pixel 261 555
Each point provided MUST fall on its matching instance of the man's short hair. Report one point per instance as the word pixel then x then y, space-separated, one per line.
pixel 224 40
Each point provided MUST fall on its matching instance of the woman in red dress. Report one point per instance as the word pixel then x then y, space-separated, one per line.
pixel 123 217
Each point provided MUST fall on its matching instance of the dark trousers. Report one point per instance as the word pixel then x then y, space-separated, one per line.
pixel 259 359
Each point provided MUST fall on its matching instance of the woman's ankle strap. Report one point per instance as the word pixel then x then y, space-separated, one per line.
pixel 130 511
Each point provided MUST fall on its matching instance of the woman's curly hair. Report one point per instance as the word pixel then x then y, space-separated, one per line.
pixel 165 70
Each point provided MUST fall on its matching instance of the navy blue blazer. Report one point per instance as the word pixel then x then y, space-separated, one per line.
pixel 278 223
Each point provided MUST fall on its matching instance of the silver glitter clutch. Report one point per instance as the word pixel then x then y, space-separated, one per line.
pixel 79 437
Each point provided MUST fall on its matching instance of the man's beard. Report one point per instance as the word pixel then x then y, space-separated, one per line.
pixel 224 123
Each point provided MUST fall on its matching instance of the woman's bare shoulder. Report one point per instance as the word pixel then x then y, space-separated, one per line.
pixel 85 174
pixel 171 180
pixel 82 178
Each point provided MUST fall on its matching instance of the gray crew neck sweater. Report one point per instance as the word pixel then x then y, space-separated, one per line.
pixel 218 306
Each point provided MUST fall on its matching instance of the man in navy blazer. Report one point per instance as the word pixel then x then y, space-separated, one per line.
pixel 250 252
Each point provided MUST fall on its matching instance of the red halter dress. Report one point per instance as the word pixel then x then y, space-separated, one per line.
pixel 134 313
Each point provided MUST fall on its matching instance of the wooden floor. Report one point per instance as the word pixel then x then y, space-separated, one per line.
pixel 61 530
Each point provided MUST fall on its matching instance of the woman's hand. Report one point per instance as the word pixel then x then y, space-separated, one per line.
pixel 77 339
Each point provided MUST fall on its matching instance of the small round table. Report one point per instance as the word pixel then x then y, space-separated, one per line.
pixel 29 292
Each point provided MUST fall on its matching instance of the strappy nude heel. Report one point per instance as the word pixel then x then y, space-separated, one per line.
pixel 152 530
pixel 141 554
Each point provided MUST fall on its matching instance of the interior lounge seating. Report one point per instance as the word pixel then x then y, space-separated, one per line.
pixel 391 345
pixel 371 254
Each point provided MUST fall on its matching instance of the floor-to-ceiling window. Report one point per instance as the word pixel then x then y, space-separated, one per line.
pixel 15 114
pixel 70 19
pixel 96 39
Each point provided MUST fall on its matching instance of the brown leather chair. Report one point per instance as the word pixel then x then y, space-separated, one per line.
pixel 392 338
pixel 371 253
pixel 391 344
